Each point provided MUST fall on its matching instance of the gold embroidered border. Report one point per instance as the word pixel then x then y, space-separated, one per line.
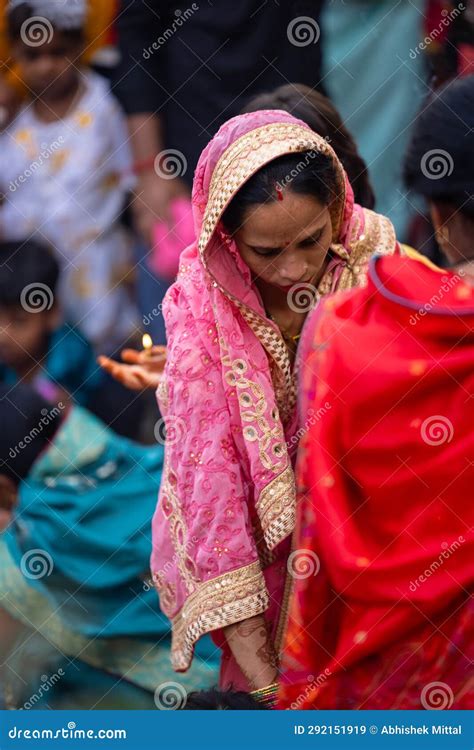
pixel 276 508
pixel 230 598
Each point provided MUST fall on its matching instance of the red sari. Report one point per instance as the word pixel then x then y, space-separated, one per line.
pixel 381 614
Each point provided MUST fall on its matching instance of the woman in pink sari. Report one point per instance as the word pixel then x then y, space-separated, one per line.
pixel 276 227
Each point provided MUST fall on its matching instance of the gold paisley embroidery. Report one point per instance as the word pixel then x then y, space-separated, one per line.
pixel 230 598
pixel 253 407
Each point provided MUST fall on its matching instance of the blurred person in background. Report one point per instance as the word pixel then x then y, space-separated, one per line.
pixel 377 87
pixel 186 68
pixel 66 170
pixel 439 165
pixel 74 552
pixel 39 346
pixel 317 111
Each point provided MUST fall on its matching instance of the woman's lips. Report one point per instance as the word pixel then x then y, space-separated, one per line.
pixel 295 286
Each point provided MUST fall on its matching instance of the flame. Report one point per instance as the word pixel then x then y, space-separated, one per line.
pixel 147 341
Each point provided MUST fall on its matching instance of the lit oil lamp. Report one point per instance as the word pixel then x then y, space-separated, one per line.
pixel 147 343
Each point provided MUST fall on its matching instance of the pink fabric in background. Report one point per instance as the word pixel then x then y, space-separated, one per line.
pixel 170 241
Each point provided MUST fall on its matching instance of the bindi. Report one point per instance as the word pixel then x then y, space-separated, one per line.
pixel 279 191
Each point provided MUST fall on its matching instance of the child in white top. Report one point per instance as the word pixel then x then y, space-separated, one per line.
pixel 65 169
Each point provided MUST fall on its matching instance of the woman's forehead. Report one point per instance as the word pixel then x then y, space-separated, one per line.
pixel 280 222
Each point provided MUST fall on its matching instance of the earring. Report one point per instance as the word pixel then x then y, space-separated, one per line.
pixel 442 235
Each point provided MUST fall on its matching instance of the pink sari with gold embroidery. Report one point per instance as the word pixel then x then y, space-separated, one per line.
pixel 222 528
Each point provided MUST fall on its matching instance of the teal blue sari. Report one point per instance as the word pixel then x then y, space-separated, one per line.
pixel 74 562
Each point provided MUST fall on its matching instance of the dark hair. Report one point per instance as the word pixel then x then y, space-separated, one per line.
pixel 317 111
pixel 305 173
pixel 24 263
pixel 439 162
pixel 19 15
pixel 28 424
pixel 221 700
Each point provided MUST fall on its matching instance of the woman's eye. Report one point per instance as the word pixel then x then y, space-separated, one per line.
pixel 266 253
pixel 311 241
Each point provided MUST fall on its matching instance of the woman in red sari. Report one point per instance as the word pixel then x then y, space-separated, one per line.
pixel 383 565
pixel 383 562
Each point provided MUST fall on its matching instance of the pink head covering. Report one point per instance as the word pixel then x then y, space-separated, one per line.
pixel 227 499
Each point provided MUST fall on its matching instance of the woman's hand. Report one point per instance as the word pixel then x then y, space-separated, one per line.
pixel 141 370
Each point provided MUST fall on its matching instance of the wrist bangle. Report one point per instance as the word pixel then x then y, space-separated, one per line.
pixel 267 696
pixel 143 165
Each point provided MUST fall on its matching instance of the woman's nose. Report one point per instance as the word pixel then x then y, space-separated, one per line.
pixel 293 270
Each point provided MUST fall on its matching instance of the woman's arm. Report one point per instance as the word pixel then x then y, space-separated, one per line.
pixel 253 651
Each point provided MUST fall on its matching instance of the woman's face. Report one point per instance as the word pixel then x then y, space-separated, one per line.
pixel 286 242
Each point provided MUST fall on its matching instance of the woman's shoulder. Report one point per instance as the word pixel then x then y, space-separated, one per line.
pixel 372 233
